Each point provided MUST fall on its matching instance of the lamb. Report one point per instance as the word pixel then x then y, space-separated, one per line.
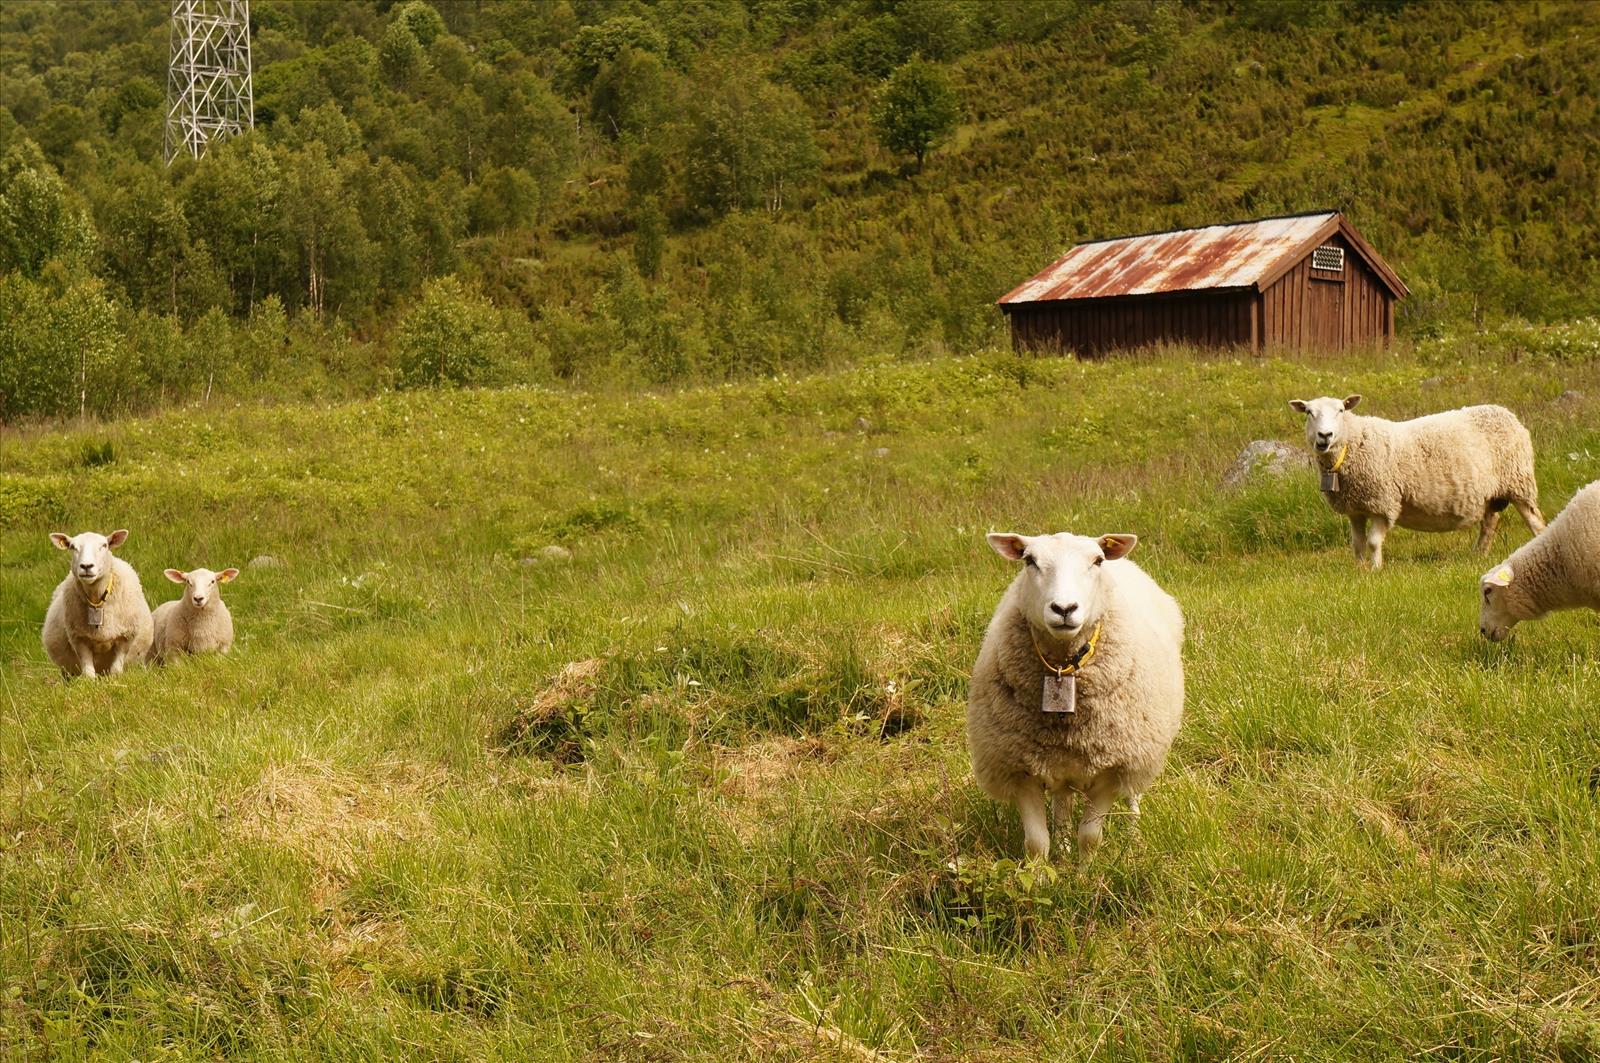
pixel 1436 473
pixel 1557 570
pixel 98 621
pixel 1078 688
pixel 198 622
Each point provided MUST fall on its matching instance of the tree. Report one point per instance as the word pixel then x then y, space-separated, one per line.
pixel 649 238
pixel 37 219
pixel 750 146
pixel 452 337
pixel 916 109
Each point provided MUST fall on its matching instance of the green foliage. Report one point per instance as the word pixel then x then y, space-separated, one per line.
pixel 596 45
pixel 649 238
pixel 58 351
pixel 452 337
pixel 750 147
pixel 38 222
pixel 915 110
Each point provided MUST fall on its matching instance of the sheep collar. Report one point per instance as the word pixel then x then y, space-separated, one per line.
pixel 1330 476
pixel 1084 655
pixel 111 585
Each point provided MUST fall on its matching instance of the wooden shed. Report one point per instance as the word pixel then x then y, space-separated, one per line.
pixel 1304 280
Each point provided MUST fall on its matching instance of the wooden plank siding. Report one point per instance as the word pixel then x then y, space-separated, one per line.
pixel 1307 308
pixel 1095 327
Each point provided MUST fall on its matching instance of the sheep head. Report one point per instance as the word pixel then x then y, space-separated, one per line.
pixel 1062 584
pixel 91 552
pixel 1326 424
pixel 200 584
pixel 1498 606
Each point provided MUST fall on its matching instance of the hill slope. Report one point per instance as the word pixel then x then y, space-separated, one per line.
pixel 679 190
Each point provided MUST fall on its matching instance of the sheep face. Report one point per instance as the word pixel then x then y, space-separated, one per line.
pixel 91 552
pixel 200 584
pixel 1496 616
pixel 1325 420
pixel 1061 587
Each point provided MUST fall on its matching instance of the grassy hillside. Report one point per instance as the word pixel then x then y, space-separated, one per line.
pixel 694 192
pixel 701 791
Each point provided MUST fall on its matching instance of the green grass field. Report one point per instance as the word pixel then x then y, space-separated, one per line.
pixel 702 791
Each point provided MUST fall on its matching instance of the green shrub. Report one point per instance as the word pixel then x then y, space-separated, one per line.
pixel 453 337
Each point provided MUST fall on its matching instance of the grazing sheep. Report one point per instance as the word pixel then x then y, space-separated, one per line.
pixel 1436 473
pixel 98 621
pixel 198 622
pixel 1559 569
pixel 1078 688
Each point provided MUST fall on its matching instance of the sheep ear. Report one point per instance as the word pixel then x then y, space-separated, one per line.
pixel 1009 546
pixel 228 575
pixel 1500 577
pixel 174 575
pixel 1350 401
pixel 117 538
pixel 1119 545
pixel 63 542
pixel 1298 405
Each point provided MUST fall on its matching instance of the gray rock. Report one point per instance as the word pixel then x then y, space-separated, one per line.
pixel 264 561
pixel 863 425
pixel 881 452
pixel 1569 396
pixel 1432 382
pixel 1264 457
pixel 554 553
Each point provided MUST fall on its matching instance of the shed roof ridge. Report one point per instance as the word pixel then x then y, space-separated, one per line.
pixel 1213 225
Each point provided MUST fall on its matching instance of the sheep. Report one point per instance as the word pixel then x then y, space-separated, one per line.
pixel 98 621
pixel 1559 569
pixel 198 622
pixel 1078 687
pixel 1436 473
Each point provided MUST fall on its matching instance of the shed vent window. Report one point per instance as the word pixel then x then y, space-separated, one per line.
pixel 1328 258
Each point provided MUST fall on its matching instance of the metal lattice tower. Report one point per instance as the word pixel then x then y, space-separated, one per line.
pixel 209 94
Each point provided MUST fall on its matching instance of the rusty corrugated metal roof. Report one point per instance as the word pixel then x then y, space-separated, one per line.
pixel 1236 255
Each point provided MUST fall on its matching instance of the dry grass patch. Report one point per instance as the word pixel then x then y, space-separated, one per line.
pixel 331 818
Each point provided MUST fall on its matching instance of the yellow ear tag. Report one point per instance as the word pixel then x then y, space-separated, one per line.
pixel 1504 576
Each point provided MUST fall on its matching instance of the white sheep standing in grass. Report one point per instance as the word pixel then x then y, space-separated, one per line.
pixel 1078 688
pixel 198 622
pixel 1559 569
pixel 1437 473
pixel 98 621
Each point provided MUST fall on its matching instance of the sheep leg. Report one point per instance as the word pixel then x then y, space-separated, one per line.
pixel 1100 799
pixel 118 652
pixel 1486 529
pixel 1358 536
pixel 1530 514
pixel 85 652
pixel 1063 806
pixel 1035 827
pixel 1377 531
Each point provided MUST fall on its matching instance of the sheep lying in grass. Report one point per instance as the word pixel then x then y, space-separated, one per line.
pixel 98 621
pixel 1559 569
pixel 1436 473
pixel 1078 688
pixel 198 622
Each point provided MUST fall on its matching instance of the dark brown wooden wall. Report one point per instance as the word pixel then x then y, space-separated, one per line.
pixel 1095 326
pixel 1310 308
pixel 1303 308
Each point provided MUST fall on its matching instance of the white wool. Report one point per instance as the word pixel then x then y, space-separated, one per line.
pixel 1557 569
pixel 198 622
pixel 1437 473
pixel 123 633
pixel 1071 590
